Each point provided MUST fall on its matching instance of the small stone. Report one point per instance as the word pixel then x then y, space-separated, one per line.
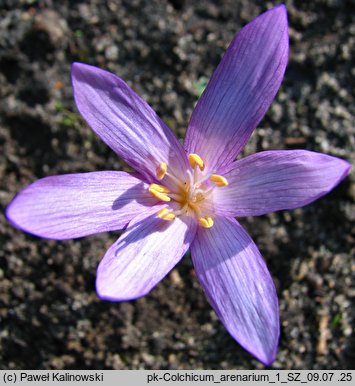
pixel 111 53
pixel 176 278
pixel 172 358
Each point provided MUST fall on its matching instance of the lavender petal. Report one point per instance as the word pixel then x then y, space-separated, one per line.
pixel 125 122
pixel 143 256
pixel 240 90
pixel 76 205
pixel 238 286
pixel 274 180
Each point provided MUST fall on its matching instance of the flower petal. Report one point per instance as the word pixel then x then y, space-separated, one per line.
pixel 125 122
pixel 143 255
pixel 274 180
pixel 76 205
pixel 238 286
pixel 240 90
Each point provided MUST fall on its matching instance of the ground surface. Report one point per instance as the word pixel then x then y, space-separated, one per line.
pixel 50 316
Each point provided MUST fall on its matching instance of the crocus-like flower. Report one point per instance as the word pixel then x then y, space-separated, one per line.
pixel 187 196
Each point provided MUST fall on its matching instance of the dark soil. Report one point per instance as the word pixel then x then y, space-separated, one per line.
pixel 50 315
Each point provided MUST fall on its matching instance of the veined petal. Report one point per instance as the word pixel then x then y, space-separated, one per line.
pixel 143 255
pixel 274 180
pixel 125 122
pixel 240 90
pixel 238 286
pixel 76 205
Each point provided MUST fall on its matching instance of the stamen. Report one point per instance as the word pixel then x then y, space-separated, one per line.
pixel 177 197
pixel 194 160
pixel 206 222
pixel 159 188
pixel 159 192
pixel 161 170
pixel 165 214
pixel 176 180
pixel 201 181
pixel 191 179
pixel 219 180
pixel 160 196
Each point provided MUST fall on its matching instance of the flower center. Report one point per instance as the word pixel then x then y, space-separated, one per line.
pixel 190 196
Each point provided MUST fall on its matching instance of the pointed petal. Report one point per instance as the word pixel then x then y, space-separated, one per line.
pixel 76 205
pixel 124 121
pixel 143 256
pixel 240 90
pixel 274 180
pixel 238 286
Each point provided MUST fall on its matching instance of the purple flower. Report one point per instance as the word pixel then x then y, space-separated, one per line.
pixel 187 196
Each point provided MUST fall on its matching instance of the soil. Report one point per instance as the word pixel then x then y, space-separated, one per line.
pixel 50 315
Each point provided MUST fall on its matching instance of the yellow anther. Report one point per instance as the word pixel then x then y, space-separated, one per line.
pixel 159 192
pixel 206 222
pixel 158 188
pixel 161 170
pixel 160 196
pixel 219 180
pixel 194 160
pixel 165 214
